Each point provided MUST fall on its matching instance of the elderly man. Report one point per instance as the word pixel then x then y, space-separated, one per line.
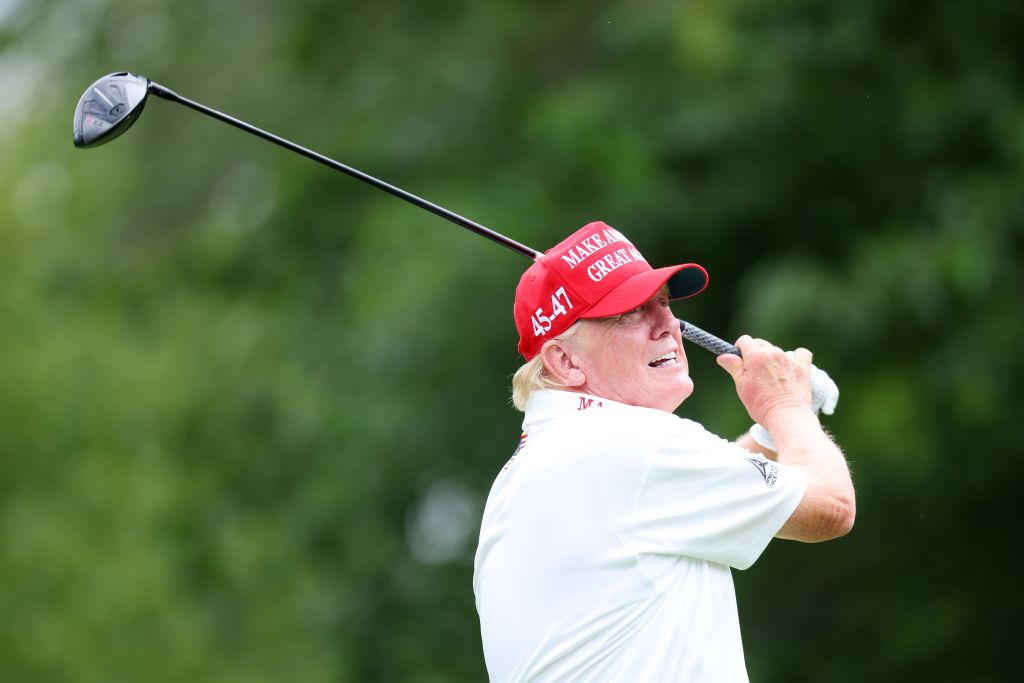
pixel 607 541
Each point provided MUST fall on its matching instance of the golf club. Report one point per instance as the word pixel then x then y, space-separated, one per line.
pixel 114 102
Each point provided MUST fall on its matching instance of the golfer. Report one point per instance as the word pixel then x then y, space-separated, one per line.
pixel 608 539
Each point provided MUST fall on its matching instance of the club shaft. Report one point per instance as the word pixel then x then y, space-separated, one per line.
pixel 168 94
pixel 691 332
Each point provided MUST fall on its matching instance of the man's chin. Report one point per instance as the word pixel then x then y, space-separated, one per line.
pixel 681 392
pixel 669 397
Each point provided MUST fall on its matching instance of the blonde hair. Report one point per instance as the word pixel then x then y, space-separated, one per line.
pixel 532 375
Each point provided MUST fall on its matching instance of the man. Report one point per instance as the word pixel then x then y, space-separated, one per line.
pixel 607 541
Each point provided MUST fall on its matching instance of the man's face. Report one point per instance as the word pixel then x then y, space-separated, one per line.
pixel 636 358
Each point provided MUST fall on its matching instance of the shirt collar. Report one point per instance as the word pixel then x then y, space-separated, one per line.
pixel 548 404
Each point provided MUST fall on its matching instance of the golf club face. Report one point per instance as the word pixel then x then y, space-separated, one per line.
pixel 108 108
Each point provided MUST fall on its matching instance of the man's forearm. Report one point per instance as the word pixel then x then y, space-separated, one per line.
pixel 829 505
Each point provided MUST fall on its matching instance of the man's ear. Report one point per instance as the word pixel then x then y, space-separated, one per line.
pixel 562 365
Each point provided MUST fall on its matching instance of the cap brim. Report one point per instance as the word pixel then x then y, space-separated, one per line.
pixel 683 281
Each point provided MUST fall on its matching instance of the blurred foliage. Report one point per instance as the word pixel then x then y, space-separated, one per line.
pixel 250 409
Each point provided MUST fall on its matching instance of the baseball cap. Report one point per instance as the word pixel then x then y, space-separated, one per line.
pixel 593 273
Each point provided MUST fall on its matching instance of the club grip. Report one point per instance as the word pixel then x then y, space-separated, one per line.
pixel 706 339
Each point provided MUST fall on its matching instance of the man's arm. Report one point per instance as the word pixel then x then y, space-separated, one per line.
pixel 828 507
pixel 775 390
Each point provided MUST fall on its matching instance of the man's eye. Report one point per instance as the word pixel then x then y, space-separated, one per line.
pixel 623 317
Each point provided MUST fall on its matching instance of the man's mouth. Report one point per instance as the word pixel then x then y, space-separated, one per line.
pixel 664 360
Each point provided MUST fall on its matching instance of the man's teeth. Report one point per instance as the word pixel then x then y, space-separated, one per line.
pixel 663 360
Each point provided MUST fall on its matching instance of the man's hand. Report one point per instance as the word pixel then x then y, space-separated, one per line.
pixel 768 379
pixel 775 388
pixel 824 397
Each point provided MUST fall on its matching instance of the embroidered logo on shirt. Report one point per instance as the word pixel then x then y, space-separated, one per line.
pixel 587 402
pixel 768 469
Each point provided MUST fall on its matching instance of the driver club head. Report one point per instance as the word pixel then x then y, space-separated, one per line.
pixel 109 107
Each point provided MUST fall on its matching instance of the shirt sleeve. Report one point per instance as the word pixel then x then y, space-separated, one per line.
pixel 708 498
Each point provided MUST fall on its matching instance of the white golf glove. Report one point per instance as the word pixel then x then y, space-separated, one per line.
pixel 824 397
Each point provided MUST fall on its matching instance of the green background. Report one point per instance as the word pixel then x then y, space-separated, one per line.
pixel 250 408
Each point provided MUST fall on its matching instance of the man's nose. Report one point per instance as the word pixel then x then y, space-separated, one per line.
pixel 664 321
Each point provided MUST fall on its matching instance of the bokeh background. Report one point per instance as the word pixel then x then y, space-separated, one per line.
pixel 250 408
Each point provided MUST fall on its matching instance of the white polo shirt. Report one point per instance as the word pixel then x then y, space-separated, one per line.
pixel 607 541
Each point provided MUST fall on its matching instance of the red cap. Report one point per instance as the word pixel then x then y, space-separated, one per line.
pixel 594 273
